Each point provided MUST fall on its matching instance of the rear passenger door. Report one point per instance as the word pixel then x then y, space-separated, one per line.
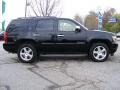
pixel 45 34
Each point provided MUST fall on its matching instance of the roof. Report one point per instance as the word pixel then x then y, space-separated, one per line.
pixel 36 17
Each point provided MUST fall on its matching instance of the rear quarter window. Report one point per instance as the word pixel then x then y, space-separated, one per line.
pixel 18 22
pixel 16 25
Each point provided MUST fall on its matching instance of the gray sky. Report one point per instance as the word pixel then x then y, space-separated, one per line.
pixel 16 8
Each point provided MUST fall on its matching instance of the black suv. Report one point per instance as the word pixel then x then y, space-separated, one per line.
pixel 29 37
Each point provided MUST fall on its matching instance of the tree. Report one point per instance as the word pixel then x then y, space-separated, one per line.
pixel 115 27
pixel 45 7
pixel 78 18
pixel 92 13
pixel 107 14
pixel 91 21
pixel 112 27
pixel 117 16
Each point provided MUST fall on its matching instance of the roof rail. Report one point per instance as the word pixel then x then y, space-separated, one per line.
pixel 37 17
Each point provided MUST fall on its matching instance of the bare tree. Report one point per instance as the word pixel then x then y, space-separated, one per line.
pixel 91 21
pixel 46 7
pixel 78 18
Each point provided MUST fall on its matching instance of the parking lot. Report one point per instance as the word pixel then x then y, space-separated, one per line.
pixel 59 72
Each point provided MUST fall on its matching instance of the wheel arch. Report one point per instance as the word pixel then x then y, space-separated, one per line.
pixel 107 42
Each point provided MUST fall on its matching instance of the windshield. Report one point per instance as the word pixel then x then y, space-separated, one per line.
pixel 83 26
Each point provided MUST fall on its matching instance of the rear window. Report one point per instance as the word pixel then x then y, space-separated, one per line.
pixel 45 25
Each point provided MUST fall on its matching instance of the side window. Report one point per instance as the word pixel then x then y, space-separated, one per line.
pixel 66 25
pixel 45 25
pixel 16 25
pixel 19 22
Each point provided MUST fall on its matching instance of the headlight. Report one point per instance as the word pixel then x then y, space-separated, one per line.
pixel 114 38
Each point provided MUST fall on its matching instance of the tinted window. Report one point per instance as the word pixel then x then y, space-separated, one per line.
pixel 66 25
pixel 16 25
pixel 45 25
pixel 18 22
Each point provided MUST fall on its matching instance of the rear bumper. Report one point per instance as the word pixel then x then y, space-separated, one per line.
pixel 10 48
pixel 113 48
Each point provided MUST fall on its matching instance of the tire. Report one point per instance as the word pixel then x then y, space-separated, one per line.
pixel 99 52
pixel 27 53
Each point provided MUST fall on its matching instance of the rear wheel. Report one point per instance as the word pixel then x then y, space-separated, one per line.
pixel 99 52
pixel 27 53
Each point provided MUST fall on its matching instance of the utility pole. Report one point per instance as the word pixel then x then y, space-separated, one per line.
pixel 26 9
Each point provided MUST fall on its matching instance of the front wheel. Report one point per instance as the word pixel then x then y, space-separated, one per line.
pixel 27 53
pixel 99 52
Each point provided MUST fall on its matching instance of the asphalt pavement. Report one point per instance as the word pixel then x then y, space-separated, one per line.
pixel 59 72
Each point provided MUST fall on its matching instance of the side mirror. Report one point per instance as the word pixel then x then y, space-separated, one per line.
pixel 77 29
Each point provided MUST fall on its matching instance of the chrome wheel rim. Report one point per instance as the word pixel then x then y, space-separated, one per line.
pixel 100 53
pixel 26 54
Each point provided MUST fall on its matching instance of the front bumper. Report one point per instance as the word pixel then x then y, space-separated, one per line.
pixel 113 48
pixel 10 47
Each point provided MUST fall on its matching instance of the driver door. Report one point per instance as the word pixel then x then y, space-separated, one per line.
pixel 68 40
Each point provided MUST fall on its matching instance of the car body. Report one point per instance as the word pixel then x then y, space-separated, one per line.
pixel 37 35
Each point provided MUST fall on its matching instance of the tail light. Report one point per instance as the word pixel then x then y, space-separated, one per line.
pixel 5 37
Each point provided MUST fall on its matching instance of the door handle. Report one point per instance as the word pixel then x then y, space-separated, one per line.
pixel 35 34
pixel 60 35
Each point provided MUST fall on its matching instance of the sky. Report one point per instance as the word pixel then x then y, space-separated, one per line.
pixel 16 8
